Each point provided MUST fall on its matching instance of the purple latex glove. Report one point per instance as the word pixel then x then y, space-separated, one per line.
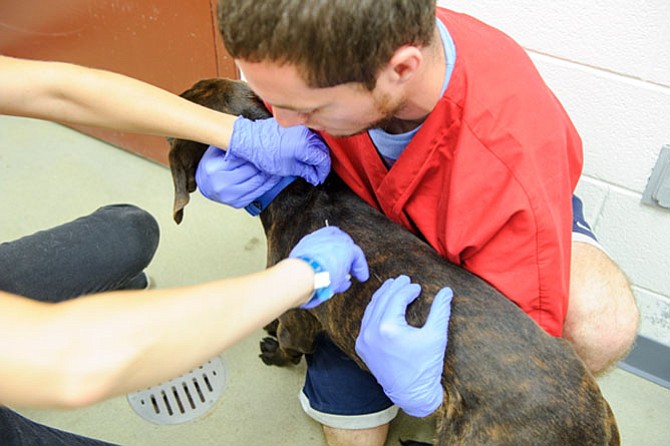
pixel 331 249
pixel 407 361
pixel 227 179
pixel 283 151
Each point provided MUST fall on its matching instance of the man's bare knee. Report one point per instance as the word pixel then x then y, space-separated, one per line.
pixel 375 436
pixel 602 318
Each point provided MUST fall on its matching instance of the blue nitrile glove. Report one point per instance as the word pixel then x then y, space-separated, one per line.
pixel 225 178
pixel 331 249
pixel 284 151
pixel 407 361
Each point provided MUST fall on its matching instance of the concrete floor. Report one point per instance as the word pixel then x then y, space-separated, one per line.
pixel 50 174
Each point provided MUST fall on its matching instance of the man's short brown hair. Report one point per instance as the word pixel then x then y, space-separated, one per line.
pixel 330 41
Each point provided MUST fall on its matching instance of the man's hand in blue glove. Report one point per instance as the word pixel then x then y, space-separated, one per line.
pixel 407 361
pixel 284 151
pixel 225 178
pixel 332 250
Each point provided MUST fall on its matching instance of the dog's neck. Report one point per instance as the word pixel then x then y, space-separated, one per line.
pixel 259 204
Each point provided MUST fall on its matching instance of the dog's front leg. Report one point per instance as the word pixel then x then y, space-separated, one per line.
pixel 296 331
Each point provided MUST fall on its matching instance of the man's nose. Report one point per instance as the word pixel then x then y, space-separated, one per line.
pixel 289 118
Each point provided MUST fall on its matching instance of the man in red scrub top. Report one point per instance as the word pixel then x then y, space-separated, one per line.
pixel 444 124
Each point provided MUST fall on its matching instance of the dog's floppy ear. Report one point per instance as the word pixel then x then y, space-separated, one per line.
pixel 225 95
pixel 184 157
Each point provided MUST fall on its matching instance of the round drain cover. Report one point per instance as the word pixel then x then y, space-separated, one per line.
pixel 184 398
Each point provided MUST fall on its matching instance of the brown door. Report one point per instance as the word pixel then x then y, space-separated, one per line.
pixel 168 43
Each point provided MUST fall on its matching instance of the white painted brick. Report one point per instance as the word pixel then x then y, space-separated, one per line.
pixel 637 237
pixel 631 37
pixel 654 315
pixel 593 194
pixel 623 123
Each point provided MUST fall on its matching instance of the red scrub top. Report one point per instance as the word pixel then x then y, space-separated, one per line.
pixel 488 178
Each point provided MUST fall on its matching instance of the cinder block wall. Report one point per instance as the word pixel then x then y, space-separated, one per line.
pixel 609 64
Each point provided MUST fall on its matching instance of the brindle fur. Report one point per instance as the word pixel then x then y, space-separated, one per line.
pixel 506 382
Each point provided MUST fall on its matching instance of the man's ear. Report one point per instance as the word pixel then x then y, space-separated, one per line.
pixel 404 64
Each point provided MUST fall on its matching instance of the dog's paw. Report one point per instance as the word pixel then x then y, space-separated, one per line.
pixel 272 354
pixel 269 346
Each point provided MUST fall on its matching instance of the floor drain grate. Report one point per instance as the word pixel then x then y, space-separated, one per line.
pixel 184 398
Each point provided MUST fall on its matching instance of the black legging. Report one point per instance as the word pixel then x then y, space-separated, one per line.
pixel 16 430
pixel 106 250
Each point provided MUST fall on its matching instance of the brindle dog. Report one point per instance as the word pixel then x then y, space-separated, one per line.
pixel 506 382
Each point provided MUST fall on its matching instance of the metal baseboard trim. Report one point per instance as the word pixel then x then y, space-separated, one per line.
pixel 649 360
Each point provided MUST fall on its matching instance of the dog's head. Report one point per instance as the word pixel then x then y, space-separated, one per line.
pixel 225 95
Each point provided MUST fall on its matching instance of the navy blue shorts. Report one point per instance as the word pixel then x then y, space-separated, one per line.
pixel 339 394
pixel 579 224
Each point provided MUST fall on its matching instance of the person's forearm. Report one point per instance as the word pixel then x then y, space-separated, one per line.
pixel 99 346
pixel 78 95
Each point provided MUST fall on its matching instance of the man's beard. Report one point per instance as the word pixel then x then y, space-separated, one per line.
pixel 387 109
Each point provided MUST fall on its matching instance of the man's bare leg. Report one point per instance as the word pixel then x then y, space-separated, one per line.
pixel 602 318
pixel 375 436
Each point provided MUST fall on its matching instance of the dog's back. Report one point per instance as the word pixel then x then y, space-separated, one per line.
pixel 506 381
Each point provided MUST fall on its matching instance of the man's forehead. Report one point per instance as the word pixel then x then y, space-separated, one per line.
pixel 281 86
pixel 270 72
